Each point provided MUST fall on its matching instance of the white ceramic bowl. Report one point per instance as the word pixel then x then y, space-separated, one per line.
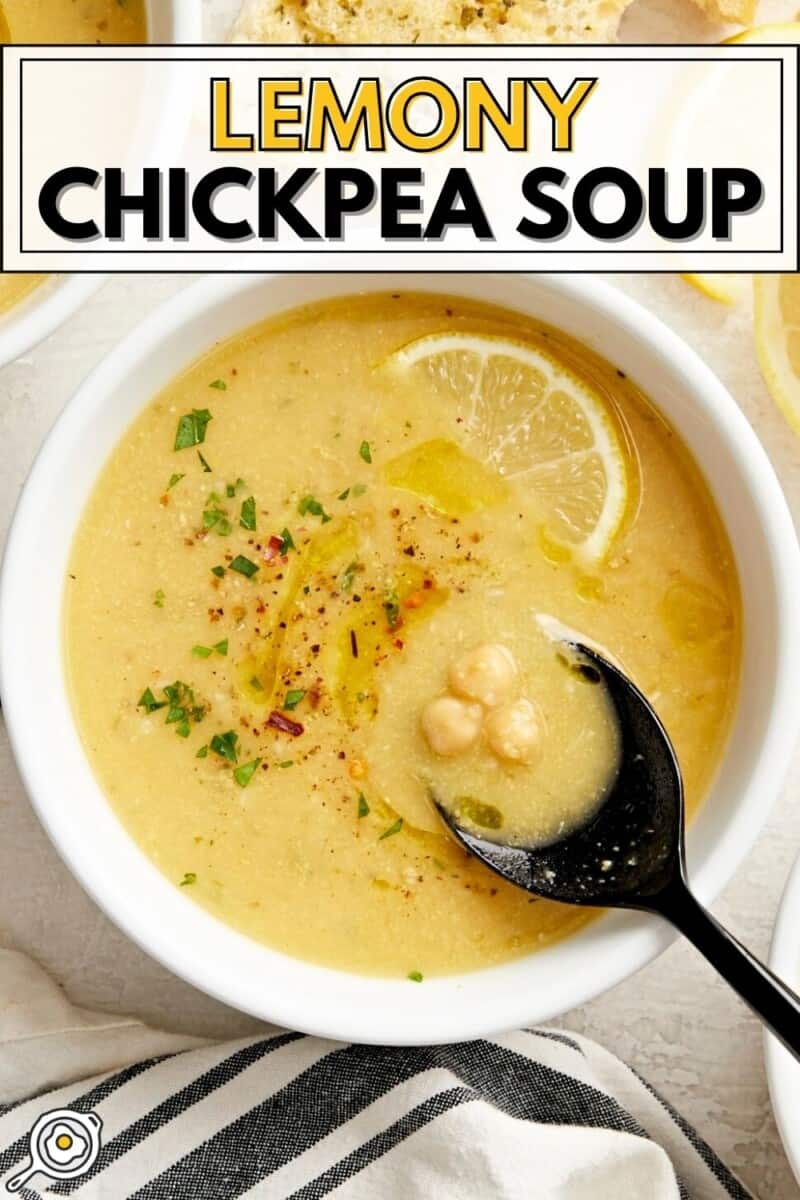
pixel 200 948
pixel 783 1071
pixel 46 308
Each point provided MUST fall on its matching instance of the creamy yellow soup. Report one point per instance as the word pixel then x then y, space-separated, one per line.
pixel 16 288
pixel 64 21
pixel 320 580
pixel 113 22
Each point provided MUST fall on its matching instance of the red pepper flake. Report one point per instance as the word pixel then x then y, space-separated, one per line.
pixel 273 548
pixel 428 584
pixel 277 720
pixel 398 644
pixel 353 643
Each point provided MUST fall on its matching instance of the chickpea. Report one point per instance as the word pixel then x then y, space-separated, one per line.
pixel 486 674
pixel 451 726
pixel 514 730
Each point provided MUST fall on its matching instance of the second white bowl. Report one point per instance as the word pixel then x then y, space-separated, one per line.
pixel 60 296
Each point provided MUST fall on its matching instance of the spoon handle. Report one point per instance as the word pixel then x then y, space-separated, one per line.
pixel 769 998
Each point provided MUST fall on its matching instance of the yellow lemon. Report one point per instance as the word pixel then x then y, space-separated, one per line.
pixel 525 414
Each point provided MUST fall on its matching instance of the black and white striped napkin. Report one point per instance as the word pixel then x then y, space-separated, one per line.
pixel 535 1114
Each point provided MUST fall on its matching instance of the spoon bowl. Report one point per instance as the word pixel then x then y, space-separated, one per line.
pixel 633 845
pixel 630 853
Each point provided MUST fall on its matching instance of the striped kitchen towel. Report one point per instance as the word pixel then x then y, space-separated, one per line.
pixel 535 1114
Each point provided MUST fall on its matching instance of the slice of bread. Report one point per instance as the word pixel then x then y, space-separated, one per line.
pixel 430 21
pixel 739 12
pixel 449 21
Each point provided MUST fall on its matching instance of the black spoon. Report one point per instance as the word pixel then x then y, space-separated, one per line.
pixel 631 853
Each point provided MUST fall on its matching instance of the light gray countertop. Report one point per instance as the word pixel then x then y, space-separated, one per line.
pixel 675 1022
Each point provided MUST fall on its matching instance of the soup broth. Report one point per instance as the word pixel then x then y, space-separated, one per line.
pixel 316 585
pixel 16 288
pixel 71 22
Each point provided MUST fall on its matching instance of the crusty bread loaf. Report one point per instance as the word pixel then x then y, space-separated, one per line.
pixel 740 12
pixel 434 21
pixel 448 21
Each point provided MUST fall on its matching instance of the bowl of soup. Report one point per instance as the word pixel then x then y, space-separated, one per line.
pixel 299 558
pixel 33 306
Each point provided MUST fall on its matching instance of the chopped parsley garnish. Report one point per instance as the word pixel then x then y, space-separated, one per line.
pixel 343 495
pixel 216 519
pixel 391 606
pixel 247 519
pixel 244 566
pixel 232 488
pixel 149 703
pixel 189 878
pixel 219 384
pixel 218 571
pixel 293 698
pixel 392 830
pixel 348 576
pixel 359 489
pixel 289 763
pixel 365 452
pixel 287 541
pixel 224 744
pixel 159 598
pixel 207 651
pixel 256 683
pixel 363 807
pixel 173 479
pixel 179 693
pixel 204 464
pixel 181 705
pixel 245 773
pixel 415 976
pixel 191 429
pixel 202 752
pixel 310 505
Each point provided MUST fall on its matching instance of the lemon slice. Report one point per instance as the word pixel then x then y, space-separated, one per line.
pixel 725 289
pixel 785 33
pixel 777 317
pixel 527 415
pixel 777 297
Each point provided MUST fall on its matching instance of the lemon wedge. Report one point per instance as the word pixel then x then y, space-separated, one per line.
pixel 728 289
pixel 777 297
pixel 777 322
pixel 785 33
pixel 725 289
pixel 522 412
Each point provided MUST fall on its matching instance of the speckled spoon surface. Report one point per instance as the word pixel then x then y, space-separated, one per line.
pixel 631 855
